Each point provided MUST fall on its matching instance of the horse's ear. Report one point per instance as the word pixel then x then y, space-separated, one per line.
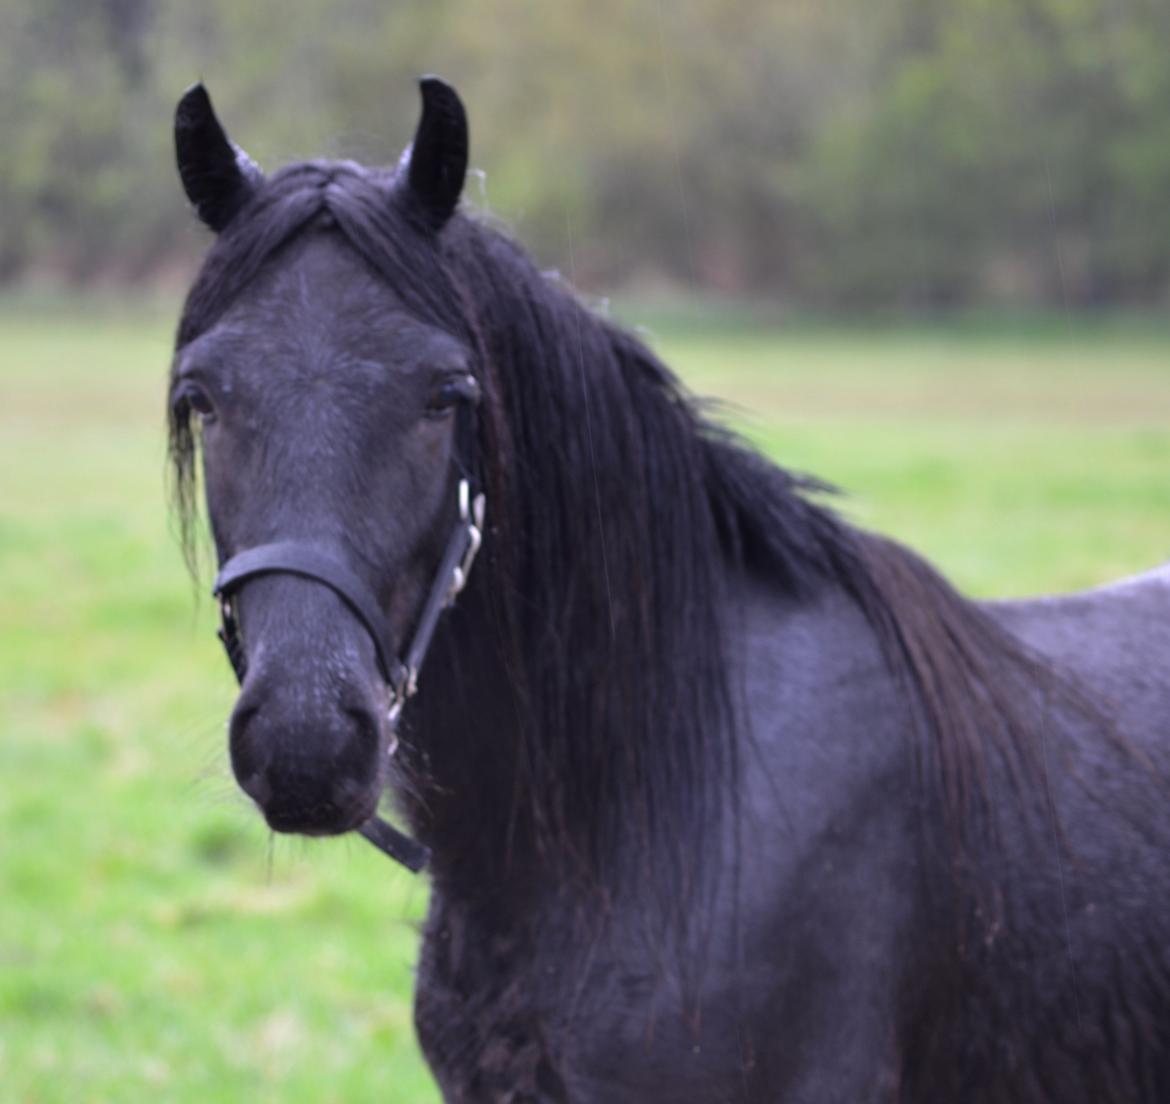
pixel 438 155
pixel 218 176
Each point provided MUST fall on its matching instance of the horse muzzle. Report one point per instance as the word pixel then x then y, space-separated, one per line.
pixel 308 737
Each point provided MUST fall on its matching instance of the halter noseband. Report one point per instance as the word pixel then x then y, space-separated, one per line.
pixel 312 561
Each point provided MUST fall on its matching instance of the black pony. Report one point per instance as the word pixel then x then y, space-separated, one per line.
pixel 726 799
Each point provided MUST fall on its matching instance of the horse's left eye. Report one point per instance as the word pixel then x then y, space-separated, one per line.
pixel 450 391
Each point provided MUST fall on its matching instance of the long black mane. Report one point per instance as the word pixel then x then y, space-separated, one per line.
pixel 618 514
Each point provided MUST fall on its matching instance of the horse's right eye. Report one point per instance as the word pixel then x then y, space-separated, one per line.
pixel 196 399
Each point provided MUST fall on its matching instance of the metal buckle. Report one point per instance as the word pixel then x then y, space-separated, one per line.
pixel 229 637
pixel 474 518
pixel 398 696
pixel 396 703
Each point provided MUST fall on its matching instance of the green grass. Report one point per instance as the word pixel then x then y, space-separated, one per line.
pixel 154 941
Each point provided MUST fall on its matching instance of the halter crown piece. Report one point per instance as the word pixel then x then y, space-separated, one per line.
pixel 325 566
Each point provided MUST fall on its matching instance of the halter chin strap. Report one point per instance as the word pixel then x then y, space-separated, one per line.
pixel 314 562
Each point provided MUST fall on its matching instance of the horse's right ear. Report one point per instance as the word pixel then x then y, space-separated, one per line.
pixel 218 176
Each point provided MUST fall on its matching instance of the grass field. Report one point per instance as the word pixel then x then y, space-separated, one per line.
pixel 155 942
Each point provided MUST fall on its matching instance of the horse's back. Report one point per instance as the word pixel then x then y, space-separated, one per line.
pixel 1114 644
pixel 1101 990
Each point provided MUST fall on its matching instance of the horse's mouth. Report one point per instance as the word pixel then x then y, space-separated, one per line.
pixel 296 824
pixel 384 836
pixel 323 819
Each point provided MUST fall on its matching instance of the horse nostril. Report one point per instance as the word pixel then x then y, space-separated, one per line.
pixel 248 755
pixel 358 756
pixel 256 786
pixel 356 781
pixel 309 770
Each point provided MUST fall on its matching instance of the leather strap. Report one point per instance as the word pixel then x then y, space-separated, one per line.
pixel 312 562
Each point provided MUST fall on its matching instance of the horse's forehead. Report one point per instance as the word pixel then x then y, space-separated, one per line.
pixel 320 273
pixel 320 295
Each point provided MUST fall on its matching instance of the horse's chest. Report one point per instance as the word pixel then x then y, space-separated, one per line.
pixel 481 1011
pixel 516 1019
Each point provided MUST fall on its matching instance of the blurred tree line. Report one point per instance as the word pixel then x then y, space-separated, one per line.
pixel 846 153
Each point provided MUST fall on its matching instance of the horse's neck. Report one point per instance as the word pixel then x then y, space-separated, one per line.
pixel 478 775
pixel 465 795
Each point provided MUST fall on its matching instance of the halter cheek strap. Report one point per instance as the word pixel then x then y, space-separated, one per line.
pixel 314 562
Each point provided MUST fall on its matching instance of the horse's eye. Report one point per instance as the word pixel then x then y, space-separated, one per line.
pixel 197 401
pixel 451 390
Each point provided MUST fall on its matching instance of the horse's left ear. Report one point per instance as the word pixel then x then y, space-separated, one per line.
pixel 438 154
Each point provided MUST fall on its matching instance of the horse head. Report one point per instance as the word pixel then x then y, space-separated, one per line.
pixel 332 415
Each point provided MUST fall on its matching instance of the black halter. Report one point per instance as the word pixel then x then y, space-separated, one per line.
pixel 322 565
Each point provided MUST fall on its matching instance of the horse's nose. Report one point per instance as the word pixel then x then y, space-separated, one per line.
pixel 311 766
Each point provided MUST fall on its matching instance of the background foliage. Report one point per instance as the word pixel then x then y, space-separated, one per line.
pixel 908 153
